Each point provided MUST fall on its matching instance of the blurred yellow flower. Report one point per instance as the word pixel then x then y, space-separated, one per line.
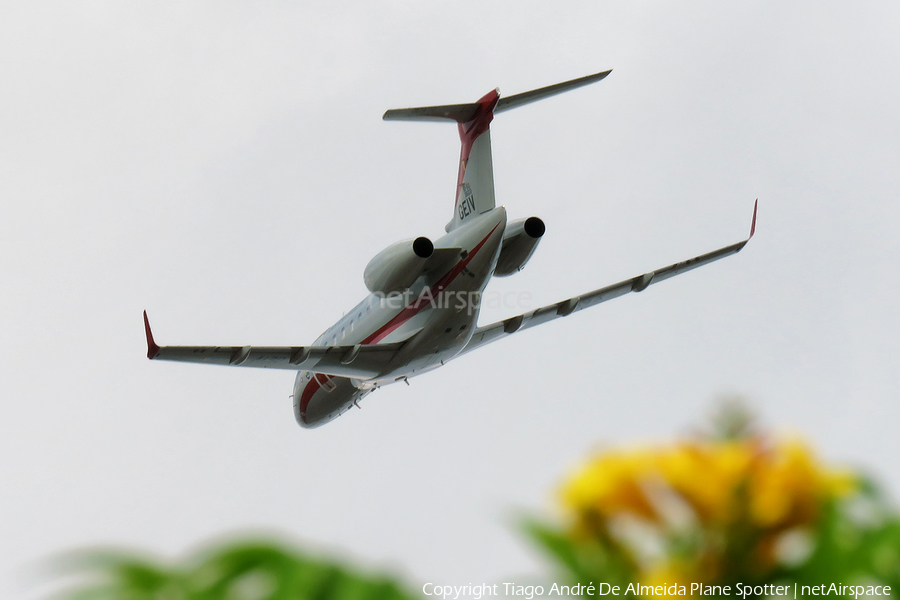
pixel 668 574
pixel 733 505
pixel 611 484
pixel 706 475
pixel 778 486
pixel 695 495
pixel 785 486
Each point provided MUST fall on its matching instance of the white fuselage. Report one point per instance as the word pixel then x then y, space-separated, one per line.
pixel 426 296
pixel 436 318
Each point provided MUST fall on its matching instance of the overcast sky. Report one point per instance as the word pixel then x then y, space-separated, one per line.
pixel 224 165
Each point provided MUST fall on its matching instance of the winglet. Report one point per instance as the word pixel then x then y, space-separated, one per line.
pixel 152 348
pixel 753 225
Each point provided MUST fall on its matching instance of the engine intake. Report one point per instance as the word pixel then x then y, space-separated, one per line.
pixel 534 227
pixel 423 247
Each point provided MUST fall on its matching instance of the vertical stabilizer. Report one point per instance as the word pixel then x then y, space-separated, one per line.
pixel 475 180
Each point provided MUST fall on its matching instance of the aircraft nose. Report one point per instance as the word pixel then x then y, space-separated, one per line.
pixel 300 415
pixel 305 418
pixel 301 401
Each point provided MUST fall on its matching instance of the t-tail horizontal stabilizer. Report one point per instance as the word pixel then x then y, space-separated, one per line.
pixel 474 194
pixel 545 92
pixel 463 113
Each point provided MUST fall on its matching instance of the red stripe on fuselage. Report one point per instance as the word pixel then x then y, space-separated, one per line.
pixel 402 317
pixel 416 307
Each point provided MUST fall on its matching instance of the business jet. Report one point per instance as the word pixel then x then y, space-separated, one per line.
pixel 425 296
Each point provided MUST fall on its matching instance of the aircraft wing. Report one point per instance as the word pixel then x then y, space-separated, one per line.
pixel 501 329
pixel 360 361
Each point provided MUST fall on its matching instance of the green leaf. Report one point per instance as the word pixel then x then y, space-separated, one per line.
pixel 237 570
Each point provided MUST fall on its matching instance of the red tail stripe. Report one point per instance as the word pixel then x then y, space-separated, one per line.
pixel 470 130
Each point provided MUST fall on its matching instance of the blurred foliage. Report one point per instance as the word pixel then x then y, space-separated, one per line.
pixel 728 506
pixel 237 570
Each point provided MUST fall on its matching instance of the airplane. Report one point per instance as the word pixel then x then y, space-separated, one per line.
pixel 425 297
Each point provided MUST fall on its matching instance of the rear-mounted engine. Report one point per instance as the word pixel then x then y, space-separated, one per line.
pixel 397 267
pixel 519 242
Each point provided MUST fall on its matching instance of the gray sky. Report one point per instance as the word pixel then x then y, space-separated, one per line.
pixel 224 165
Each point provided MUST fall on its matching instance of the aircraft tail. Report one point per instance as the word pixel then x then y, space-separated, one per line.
pixel 475 180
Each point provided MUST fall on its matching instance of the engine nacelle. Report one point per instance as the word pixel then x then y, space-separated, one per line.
pixel 519 242
pixel 398 266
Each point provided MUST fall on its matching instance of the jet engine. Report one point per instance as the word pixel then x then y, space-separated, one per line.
pixel 398 266
pixel 519 242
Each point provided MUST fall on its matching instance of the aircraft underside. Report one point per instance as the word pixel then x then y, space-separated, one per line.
pixel 425 297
